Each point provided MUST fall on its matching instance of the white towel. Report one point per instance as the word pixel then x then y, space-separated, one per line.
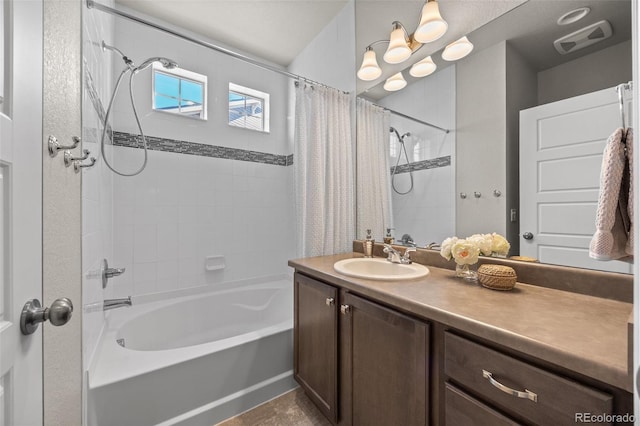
pixel 615 202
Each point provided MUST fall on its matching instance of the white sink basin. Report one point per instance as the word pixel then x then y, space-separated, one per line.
pixel 379 269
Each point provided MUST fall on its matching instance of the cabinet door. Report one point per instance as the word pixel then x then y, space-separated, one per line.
pixel 316 342
pixel 384 365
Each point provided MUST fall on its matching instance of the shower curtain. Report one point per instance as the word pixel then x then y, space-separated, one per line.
pixel 323 168
pixel 372 170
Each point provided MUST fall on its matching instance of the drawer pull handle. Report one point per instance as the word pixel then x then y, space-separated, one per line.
pixel 329 301
pixel 527 394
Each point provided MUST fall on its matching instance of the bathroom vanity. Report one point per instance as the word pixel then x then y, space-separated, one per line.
pixel 437 350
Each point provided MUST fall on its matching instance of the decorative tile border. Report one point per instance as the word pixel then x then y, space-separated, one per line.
pixel 433 163
pixel 191 148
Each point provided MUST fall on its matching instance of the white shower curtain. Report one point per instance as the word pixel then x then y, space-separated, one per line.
pixel 372 171
pixel 323 167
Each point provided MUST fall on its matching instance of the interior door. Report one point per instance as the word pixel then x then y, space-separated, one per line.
pixel 21 209
pixel 561 146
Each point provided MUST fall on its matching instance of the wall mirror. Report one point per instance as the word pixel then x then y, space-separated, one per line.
pixel 470 180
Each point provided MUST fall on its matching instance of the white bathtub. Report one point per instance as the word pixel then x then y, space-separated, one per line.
pixel 194 360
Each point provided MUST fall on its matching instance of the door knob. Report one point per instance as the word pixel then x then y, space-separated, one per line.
pixel 527 236
pixel 33 314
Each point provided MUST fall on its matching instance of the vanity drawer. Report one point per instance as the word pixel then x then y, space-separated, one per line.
pixel 543 398
pixel 462 409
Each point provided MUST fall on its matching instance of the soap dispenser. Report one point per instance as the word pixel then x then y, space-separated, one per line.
pixel 368 244
pixel 388 239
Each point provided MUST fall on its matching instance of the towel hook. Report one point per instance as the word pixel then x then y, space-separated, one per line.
pixel 620 89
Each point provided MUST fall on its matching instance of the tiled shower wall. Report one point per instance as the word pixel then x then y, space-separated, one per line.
pixel 427 213
pixel 97 204
pixel 213 191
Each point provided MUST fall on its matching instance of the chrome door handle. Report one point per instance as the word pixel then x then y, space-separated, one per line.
pixel 527 236
pixel 33 314
pixel 527 394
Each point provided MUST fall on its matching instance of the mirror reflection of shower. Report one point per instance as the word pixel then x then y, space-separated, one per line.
pixel 132 69
pixel 403 148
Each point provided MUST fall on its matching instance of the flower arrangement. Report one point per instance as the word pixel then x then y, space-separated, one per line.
pixel 465 251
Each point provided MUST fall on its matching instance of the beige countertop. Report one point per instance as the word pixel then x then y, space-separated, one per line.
pixel 581 333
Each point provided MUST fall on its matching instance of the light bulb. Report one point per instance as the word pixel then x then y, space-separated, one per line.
pixel 457 50
pixel 398 50
pixel 423 68
pixel 395 82
pixel 431 26
pixel 369 70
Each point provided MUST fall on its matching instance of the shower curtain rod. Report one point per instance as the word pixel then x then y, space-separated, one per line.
pixel 101 7
pixel 417 120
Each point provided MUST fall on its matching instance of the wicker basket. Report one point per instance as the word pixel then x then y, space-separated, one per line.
pixel 497 277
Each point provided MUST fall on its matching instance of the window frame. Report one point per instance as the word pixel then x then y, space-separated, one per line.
pixel 256 94
pixel 185 75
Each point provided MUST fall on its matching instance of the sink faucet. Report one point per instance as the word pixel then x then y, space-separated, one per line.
pixel 116 303
pixel 394 255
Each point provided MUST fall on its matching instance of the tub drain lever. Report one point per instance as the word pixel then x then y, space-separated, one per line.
pixel 109 272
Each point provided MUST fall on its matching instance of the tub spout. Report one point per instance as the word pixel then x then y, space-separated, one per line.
pixel 116 303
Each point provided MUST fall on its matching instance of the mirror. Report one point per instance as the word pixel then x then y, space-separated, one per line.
pixel 467 181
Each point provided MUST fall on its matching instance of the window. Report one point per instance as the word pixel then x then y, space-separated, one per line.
pixel 248 108
pixel 179 91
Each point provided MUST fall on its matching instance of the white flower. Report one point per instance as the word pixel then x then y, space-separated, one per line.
pixel 465 252
pixel 499 244
pixel 484 242
pixel 445 247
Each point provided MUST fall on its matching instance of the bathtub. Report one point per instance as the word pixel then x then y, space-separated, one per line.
pixel 193 360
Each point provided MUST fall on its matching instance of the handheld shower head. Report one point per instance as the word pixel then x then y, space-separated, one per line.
pixel 167 63
pixel 393 130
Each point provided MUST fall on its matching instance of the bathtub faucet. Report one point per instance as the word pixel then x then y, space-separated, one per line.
pixel 116 303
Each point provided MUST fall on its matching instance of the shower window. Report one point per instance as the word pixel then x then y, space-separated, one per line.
pixel 248 108
pixel 179 91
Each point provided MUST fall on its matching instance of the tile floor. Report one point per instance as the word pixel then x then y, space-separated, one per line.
pixel 290 409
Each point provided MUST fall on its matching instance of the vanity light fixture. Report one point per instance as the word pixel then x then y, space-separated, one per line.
pixel 457 50
pixel 395 82
pixel 423 68
pixel 398 50
pixel 369 70
pixel 401 44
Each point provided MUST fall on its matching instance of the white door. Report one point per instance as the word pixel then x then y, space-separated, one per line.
pixel 20 209
pixel 561 146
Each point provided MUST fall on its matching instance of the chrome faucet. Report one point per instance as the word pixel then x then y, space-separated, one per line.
pixel 116 303
pixel 394 255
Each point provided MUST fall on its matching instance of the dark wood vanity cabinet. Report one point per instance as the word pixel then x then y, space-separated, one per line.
pixel 381 374
pixel 365 363
pixel 316 342
pixel 384 357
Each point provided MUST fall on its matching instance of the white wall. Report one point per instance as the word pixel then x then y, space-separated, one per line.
pixel 182 208
pixel 600 70
pixel 337 42
pixel 427 212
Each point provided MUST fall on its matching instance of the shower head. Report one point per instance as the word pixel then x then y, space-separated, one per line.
pixel 393 130
pixel 167 63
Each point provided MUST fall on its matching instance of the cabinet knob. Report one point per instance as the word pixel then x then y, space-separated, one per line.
pixel 329 301
pixel 345 309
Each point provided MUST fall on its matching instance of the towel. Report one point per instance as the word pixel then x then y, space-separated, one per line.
pixel 613 239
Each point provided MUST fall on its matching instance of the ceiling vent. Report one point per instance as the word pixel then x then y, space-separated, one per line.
pixel 583 37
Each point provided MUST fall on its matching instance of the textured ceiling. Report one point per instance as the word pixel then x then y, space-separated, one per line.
pixel 275 30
